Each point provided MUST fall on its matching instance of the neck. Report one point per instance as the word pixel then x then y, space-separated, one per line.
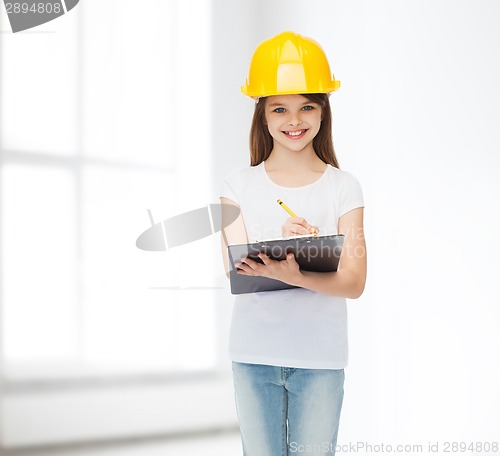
pixel 294 161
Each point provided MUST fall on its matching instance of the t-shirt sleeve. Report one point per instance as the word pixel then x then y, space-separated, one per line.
pixel 351 195
pixel 228 188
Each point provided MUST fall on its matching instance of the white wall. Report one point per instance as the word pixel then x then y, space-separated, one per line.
pixel 235 34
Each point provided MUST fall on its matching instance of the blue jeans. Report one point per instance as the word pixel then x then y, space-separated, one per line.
pixel 286 411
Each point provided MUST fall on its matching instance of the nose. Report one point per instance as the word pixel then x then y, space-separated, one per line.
pixel 294 119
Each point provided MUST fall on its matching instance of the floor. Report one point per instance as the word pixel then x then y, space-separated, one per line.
pixel 226 443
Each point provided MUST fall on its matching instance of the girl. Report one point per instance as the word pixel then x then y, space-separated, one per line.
pixel 289 347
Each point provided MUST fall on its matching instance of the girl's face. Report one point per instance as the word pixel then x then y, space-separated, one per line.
pixel 293 121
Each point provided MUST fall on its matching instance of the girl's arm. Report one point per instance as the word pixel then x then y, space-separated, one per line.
pixel 349 279
pixel 231 233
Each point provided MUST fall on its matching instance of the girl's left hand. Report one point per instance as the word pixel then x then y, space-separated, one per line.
pixel 285 270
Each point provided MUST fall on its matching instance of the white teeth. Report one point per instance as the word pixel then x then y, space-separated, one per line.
pixel 294 133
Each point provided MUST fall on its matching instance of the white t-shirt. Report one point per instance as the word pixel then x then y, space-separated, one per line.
pixel 294 327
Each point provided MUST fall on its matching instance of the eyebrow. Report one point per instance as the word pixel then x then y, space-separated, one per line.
pixel 272 105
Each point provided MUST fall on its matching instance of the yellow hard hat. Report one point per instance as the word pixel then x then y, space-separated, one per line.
pixel 287 64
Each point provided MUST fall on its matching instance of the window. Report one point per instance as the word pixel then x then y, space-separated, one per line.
pixel 101 121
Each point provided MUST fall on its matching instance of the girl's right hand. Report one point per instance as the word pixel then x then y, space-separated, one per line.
pixel 296 226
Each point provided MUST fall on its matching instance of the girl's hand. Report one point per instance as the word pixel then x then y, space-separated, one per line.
pixel 285 270
pixel 295 226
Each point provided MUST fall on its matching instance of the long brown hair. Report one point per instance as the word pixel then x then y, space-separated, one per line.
pixel 261 142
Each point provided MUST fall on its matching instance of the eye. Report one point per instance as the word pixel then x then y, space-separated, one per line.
pixel 308 108
pixel 279 110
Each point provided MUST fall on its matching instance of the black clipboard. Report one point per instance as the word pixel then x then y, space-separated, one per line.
pixel 312 253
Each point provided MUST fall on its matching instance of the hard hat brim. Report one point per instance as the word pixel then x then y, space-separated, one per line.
pixel 253 94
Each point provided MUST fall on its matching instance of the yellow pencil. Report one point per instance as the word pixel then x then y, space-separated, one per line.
pixel 284 206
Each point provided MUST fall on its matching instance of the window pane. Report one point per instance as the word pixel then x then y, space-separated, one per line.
pixel 38 250
pixel 39 87
pixel 141 99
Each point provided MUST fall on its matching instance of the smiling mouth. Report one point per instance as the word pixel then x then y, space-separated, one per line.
pixel 295 134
